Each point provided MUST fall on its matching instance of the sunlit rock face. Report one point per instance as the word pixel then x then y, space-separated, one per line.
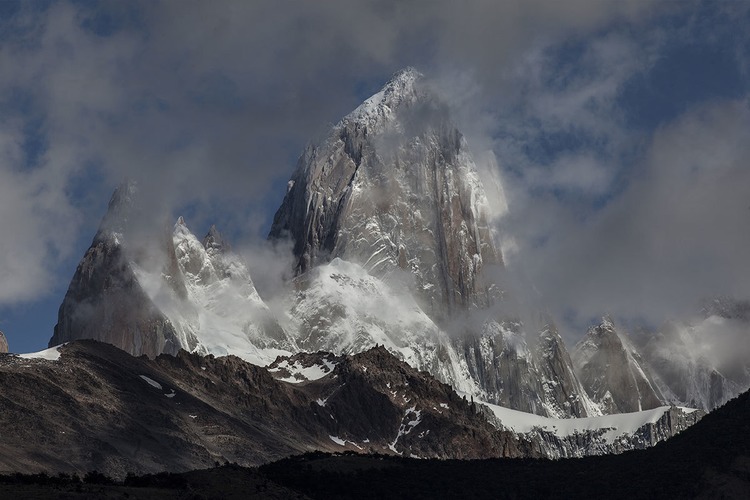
pixel 3 343
pixel 394 188
pixel 393 200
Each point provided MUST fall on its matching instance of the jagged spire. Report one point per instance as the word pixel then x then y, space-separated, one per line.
pixel 120 208
pixel 3 343
pixel 215 241
pixel 402 88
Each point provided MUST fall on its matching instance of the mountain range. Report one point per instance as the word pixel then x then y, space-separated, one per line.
pixel 395 249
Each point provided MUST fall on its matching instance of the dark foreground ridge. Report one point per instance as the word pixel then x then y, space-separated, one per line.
pixel 709 460
pixel 98 408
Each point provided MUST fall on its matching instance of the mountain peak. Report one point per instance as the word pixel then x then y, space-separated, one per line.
pixel 214 241
pixel 402 88
pixel 605 327
pixel 120 208
pixel 404 78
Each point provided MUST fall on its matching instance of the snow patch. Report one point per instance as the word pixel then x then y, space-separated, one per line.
pixel 153 383
pixel 616 425
pixel 51 354
pixel 338 440
pixel 300 373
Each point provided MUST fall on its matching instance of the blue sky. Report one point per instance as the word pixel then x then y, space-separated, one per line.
pixel 620 130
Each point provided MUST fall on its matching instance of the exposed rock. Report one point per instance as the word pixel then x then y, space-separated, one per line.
pixel 613 372
pixel 106 301
pixel 564 395
pixel 394 187
pixel 149 290
pixel 3 343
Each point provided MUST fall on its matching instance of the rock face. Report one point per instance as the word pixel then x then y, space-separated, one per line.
pixel 149 290
pixel 3 343
pixel 106 301
pixel 394 187
pixel 564 395
pixel 613 372
pixel 394 193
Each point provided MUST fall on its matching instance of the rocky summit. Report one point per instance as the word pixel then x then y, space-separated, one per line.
pixel 613 372
pixel 395 187
pixel 392 200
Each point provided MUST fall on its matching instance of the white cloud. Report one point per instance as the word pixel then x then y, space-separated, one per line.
pixel 677 234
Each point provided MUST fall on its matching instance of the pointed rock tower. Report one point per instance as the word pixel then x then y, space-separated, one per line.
pixel 394 191
pixel 107 301
pixel 394 187
pixel 613 372
pixel 149 290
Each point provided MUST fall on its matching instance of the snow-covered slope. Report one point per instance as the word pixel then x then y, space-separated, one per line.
pixel 229 316
pixel 575 437
pixel 339 307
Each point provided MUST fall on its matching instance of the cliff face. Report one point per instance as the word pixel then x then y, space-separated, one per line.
pixel 613 372
pixel 394 193
pixel 149 290
pixel 106 301
pixel 394 187
pixel 3 343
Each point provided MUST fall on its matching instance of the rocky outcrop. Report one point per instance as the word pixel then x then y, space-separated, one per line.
pixel 613 372
pixel 150 290
pixel 3 343
pixel 106 301
pixel 394 193
pixel 394 188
